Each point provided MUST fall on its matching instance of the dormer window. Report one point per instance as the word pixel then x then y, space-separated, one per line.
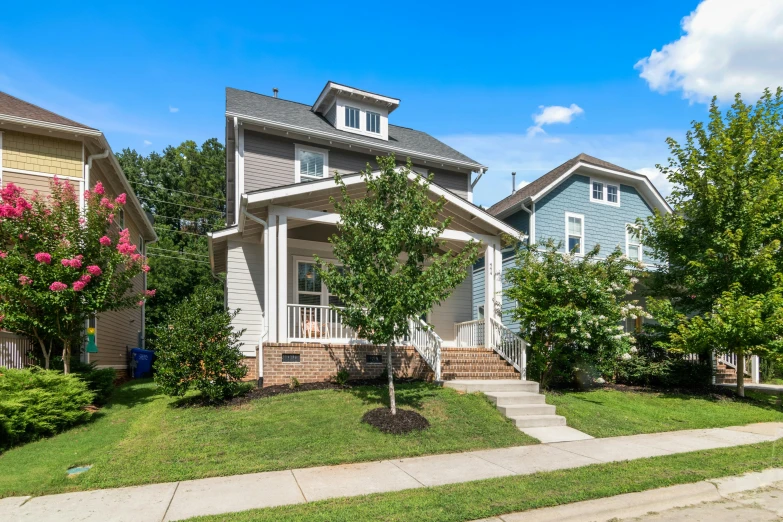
pixel 352 117
pixel 373 122
pixel 603 192
pixel 311 163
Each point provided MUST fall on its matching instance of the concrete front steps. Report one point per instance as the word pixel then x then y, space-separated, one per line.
pixel 516 399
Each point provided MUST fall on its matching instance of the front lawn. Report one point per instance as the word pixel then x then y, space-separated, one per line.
pixel 610 413
pixel 142 437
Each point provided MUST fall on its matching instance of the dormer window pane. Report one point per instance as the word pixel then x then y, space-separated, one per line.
pixel 611 193
pixel 311 164
pixel 373 122
pixel 351 117
pixel 598 191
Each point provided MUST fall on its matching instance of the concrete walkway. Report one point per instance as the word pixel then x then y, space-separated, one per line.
pixel 754 496
pixel 771 389
pixel 181 500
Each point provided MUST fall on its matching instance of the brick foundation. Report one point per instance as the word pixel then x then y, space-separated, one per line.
pixel 252 368
pixel 320 362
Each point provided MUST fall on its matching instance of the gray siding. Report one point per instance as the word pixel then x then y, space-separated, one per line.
pixel 455 309
pixel 331 114
pixel 245 290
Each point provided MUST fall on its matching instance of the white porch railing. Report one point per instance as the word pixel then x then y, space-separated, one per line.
pixel 751 364
pixel 427 343
pixel 469 333
pixel 14 350
pixel 316 323
pixel 510 346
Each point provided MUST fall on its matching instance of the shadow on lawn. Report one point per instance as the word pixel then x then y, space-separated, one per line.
pixel 410 394
pixel 134 393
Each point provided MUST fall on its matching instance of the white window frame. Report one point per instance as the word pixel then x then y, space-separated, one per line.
pixel 568 215
pixel 628 242
pixel 346 109
pixel 605 192
pixel 324 293
pixel 298 149
pixel 367 116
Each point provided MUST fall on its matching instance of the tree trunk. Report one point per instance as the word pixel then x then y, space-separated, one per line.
pixel 740 373
pixel 47 354
pixel 67 357
pixel 390 371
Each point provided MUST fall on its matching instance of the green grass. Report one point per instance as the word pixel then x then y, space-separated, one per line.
pixel 493 497
pixel 141 437
pixel 610 413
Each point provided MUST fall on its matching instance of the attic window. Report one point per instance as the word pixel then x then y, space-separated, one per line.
pixel 606 193
pixel 352 117
pixel 373 122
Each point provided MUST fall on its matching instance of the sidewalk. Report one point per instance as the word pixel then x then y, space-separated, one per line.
pixel 181 500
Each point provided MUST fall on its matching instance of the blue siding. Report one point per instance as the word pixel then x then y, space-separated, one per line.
pixel 603 224
pixel 478 288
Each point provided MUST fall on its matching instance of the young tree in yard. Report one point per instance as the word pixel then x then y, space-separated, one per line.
pixel 59 265
pixel 721 246
pixel 199 348
pixel 569 308
pixel 391 267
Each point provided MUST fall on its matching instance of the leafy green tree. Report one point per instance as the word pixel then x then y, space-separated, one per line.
pixel 569 308
pixel 198 348
pixel 721 244
pixel 391 266
pixel 183 187
pixel 59 266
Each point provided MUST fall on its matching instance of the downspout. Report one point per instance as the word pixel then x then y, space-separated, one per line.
pixel 259 366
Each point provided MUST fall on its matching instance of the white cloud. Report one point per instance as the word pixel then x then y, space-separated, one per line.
pixel 729 46
pixel 532 156
pixel 147 143
pixel 658 179
pixel 173 109
pixel 553 114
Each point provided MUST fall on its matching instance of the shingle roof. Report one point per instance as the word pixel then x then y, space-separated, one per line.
pixel 539 184
pixel 12 106
pixel 293 113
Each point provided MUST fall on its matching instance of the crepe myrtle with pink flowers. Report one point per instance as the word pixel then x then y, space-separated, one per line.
pixel 60 265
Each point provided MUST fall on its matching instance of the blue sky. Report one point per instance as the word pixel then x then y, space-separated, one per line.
pixel 153 74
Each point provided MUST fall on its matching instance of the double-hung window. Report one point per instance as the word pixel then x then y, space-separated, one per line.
pixel 310 290
pixel 602 192
pixel 352 117
pixel 575 233
pixel 633 242
pixel 373 122
pixel 311 163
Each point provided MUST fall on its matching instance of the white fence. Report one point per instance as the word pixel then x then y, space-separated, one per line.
pixel 469 333
pixel 14 350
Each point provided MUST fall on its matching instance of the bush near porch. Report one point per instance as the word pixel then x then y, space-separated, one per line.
pixel 142 436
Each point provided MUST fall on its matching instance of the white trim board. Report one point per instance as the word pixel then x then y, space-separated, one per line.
pixel 35 173
pixel 298 149
pixel 581 239
pixel 604 191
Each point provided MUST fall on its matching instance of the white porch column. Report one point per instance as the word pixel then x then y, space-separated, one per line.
pixel 270 276
pixel 282 279
pixel 489 292
pixel 498 301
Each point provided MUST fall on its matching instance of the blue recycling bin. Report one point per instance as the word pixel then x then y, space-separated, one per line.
pixel 141 362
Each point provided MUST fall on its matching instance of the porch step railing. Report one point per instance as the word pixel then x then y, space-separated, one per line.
pixel 316 323
pixel 427 343
pixel 469 333
pixel 751 364
pixel 509 345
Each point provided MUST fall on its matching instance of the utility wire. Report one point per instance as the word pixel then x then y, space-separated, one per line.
pixel 181 205
pixel 180 231
pixel 156 249
pixel 193 220
pixel 173 190
pixel 181 259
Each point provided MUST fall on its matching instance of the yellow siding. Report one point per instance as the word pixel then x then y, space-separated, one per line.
pixel 42 154
pixel 28 182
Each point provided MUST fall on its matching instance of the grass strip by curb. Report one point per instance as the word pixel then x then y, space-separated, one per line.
pixel 492 497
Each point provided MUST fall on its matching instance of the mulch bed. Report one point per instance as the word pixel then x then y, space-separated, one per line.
pixel 405 421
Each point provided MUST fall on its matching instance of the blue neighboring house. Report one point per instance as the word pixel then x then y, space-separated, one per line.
pixel 582 203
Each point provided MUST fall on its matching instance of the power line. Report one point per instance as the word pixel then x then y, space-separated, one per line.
pixel 181 231
pixel 181 259
pixel 173 190
pixel 193 220
pixel 181 205
pixel 177 252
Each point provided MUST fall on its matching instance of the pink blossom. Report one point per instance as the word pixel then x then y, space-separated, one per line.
pixel 94 270
pixel 140 303
pixel 110 218
pixel 82 221
pixel 145 268
pixel 78 286
pixel 76 262
pixel 150 293
pixel 10 192
pixel 57 286
pixel 87 195
pixel 24 280
pixel 121 199
pixel 105 241
pixel 55 180
pixel 126 248
pixel 135 257
pixel 99 188
pixel 43 257
pixel 86 278
pixel 3 255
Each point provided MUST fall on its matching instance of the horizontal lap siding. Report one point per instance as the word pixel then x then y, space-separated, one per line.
pixel 455 309
pixel 29 182
pixel 245 291
pixel 456 182
pixel 269 161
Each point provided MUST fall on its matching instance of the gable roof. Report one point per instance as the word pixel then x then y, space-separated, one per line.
pixel 14 107
pixel 534 189
pixel 271 110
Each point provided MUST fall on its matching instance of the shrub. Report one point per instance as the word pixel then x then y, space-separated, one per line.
pixel 199 348
pixel 654 366
pixel 294 384
pixel 37 403
pixel 99 380
pixel 341 378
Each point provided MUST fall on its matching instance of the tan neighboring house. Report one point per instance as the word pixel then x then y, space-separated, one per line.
pixel 36 145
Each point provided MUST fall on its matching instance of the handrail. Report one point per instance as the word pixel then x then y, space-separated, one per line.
pixel 509 345
pixel 427 343
pixel 469 333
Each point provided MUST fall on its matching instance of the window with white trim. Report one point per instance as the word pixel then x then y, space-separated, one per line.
pixel 633 242
pixel 310 290
pixel 575 233
pixel 311 164
pixel 373 122
pixel 606 193
pixel 352 117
